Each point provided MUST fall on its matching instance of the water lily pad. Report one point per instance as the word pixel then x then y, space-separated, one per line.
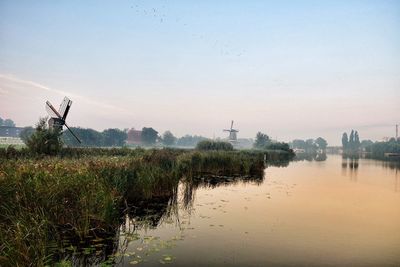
pixel 134 262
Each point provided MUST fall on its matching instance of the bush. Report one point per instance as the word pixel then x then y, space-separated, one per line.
pixel 214 145
pixel 44 140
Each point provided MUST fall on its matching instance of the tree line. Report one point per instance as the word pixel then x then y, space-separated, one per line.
pixel 310 145
pixel 7 122
pixel 264 142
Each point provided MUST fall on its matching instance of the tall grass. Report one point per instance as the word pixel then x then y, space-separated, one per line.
pixel 88 190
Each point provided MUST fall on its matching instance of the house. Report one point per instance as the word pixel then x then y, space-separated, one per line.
pixel 10 131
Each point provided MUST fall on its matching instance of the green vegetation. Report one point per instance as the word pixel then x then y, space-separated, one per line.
pixel 7 122
pixel 85 192
pixel 149 136
pixel 264 143
pixel 352 143
pixel 92 138
pixel 44 140
pixel 377 150
pixel 310 145
pixel 189 141
pixel 48 191
pixel 26 133
pixel 168 139
pixel 262 140
pixel 214 145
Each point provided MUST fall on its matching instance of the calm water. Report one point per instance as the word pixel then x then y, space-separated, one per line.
pixel 321 213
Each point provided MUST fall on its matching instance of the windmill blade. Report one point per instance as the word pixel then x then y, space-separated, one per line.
pixel 64 107
pixel 231 125
pixel 76 137
pixel 52 111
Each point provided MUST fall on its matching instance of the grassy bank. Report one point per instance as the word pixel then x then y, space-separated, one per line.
pixel 88 190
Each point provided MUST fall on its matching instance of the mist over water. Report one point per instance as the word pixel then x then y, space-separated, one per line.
pixel 331 212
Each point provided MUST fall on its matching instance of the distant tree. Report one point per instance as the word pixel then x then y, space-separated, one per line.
pixel 261 140
pixel 149 136
pixel 321 143
pixel 345 141
pixel 299 144
pixel 168 138
pixel 114 137
pixel 378 149
pixel 278 146
pixel 351 140
pixel 88 137
pixel 26 133
pixel 189 140
pixel 357 142
pixel 7 122
pixel 44 140
pixel 366 143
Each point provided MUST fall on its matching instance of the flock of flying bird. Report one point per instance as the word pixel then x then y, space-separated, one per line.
pixel 158 13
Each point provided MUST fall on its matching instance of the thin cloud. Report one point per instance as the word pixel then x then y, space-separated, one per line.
pixel 36 85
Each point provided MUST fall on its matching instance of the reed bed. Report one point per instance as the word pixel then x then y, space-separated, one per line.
pixel 89 190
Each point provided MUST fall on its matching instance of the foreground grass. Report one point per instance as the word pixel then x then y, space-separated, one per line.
pixel 86 193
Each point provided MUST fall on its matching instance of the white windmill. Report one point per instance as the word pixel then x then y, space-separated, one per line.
pixel 232 134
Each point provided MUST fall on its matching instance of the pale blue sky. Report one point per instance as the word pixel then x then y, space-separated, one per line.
pixel 288 68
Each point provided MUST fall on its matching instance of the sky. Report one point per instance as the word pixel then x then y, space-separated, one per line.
pixel 291 69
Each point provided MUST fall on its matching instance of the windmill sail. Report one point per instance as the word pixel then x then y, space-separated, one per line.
pixel 232 133
pixel 64 107
pixel 52 111
pixel 57 119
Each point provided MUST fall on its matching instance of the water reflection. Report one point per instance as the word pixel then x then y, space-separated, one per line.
pixel 152 230
pixel 350 166
pixel 311 157
pixel 172 208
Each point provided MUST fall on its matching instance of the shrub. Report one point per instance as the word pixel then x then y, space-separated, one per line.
pixel 44 140
pixel 214 145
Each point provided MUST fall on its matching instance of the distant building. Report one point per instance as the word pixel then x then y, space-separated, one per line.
pixel 9 131
pixel 134 137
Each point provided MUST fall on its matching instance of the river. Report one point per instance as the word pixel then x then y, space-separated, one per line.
pixel 336 212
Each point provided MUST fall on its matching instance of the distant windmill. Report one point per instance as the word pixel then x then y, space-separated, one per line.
pixel 232 133
pixel 57 118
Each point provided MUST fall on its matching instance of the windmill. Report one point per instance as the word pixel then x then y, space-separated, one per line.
pixel 232 133
pixel 57 118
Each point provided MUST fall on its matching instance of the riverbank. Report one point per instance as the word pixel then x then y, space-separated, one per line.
pixel 87 191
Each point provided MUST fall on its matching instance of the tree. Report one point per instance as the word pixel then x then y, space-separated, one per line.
pixel 278 146
pixel 9 122
pixel 351 140
pixel 321 143
pixel 168 138
pixel 149 136
pixel 26 133
pixel 88 137
pixel 261 140
pixel 366 143
pixel 345 141
pixel 44 140
pixel 300 144
pixel 114 137
pixel 356 141
pixel 189 140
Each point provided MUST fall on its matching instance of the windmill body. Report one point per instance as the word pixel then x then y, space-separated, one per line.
pixel 232 134
pixel 58 117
